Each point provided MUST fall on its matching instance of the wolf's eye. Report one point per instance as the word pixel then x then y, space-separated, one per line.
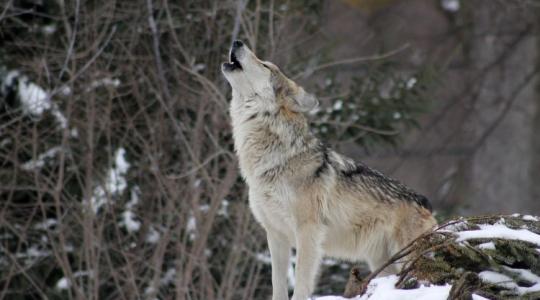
pixel 266 66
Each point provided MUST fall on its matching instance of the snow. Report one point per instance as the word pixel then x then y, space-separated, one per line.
pixel 450 5
pixel 498 279
pixel 199 67
pixel 499 231
pixel 191 227
pixel 168 277
pixel 507 282
pixel 489 245
pixel 334 298
pixel 454 226
pixel 33 98
pixel 65 283
pixel 223 210
pixel 114 82
pixel 120 160
pixel 383 288
pixel 115 183
pixel 130 222
pixel 46 224
pixel 264 258
pixel 11 75
pixel 60 118
pixel 477 297
pixel 135 192
pixel 411 82
pixel 153 236
pixel 49 29
pixel 530 218
pixel 65 90
pixel 33 252
pixel 338 105
pixel 39 162
pixel 525 274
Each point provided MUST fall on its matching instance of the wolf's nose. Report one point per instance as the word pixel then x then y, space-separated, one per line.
pixel 237 44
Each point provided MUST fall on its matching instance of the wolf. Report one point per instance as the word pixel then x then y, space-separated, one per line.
pixel 303 193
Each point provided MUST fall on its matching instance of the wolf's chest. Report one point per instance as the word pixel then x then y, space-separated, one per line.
pixel 272 208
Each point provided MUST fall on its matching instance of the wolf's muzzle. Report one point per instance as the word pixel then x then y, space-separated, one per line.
pixel 233 63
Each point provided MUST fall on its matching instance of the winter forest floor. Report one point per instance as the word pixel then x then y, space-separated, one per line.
pixel 492 257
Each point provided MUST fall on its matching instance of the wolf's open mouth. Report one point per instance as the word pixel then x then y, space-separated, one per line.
pixel 234 64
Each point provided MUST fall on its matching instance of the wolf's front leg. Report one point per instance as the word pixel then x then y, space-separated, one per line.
pixel 309 254
pixel 280 250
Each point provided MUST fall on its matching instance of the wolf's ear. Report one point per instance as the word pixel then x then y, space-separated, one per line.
pixel 305 101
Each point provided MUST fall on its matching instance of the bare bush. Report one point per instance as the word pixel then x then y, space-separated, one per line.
pixel 118 179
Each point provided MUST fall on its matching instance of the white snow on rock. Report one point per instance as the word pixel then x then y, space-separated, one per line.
pixel 525 274
pixel 499 231
pixel 498 279
pixel 530 218
pixel 507 282
pixel 383 288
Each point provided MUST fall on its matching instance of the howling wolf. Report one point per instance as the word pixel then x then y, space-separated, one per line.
pixel 304 194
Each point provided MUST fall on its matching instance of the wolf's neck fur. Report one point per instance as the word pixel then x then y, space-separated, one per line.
pixel 267 136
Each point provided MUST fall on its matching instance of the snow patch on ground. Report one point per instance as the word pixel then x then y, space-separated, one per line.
pixel 383 288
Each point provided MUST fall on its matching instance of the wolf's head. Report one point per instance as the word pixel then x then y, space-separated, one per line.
pixel 252 78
